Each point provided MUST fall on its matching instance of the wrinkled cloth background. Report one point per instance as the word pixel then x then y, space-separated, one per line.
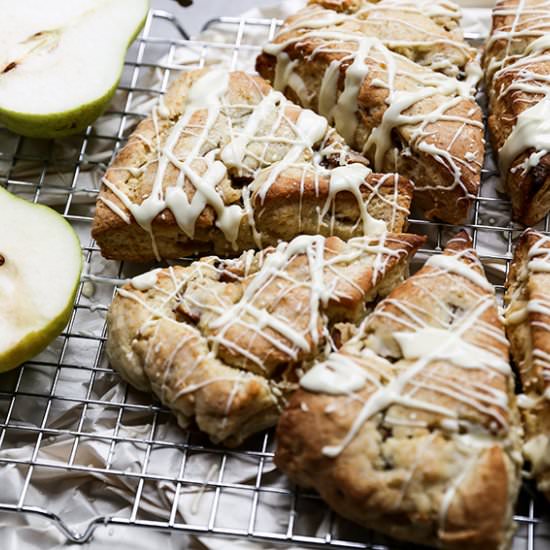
pixel 78 496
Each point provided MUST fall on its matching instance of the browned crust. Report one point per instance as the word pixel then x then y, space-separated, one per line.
pixel 291 206
pixel 448 18
pixel 278 218
pixel 393 478
pixel 525 337
pixel 166 345
pixel 361 484
pixel 529 191
pixel 451 202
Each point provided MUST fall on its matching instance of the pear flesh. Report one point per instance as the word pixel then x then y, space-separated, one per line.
pixel 40 266
pixel 61 61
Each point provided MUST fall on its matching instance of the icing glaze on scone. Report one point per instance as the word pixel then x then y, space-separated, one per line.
pixel 415 416
pixel 217 163
pixel 528 327
pixel 397 80
pixel 425 344
pixel 517 62
pixel 225 341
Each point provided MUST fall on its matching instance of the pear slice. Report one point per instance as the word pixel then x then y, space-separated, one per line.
pixel 61 61
pixel 40 266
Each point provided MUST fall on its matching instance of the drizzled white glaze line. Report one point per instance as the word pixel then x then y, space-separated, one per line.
pixel 532 127
pixel 327 27
pixel 393 392
pixel 273 266
pixel 423 346
pixel 306 149
pixel 534 301
pixel 338 375
pixel 452 264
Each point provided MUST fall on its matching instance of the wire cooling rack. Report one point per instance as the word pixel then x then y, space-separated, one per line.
pixel 44 386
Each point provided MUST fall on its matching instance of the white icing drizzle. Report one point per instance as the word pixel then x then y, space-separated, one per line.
pixel 254 151
pixel 532 131
pixel 422 344
pixel 145 281
pixel 527 299
pixel 339 374
pixel 395 392
pixel 434 339
pixel 526 401
pixel 415 345
pixel 311 128
pixel 527 45
pixel 199 494
pixel 320 281
pixel 453 264
pixel 349 178
pixel 346 35
pixel 198 292
pixel 537 451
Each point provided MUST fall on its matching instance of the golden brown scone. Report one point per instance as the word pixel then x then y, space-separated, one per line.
pixel 225 341
pixel 517 64
pixel 396 79
pixel 226 164
pixel 528 328
pixel 411 428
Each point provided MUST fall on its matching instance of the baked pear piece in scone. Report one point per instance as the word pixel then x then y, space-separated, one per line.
pixel 397 80
pixel 528 328
pixel 517 69
pixel 411 427
pixel 225 163
pixel 224 342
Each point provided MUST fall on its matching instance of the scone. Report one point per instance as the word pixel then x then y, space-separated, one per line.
pixel 397 80
pixel 528 327
pixel 517 65
pixel 224 342
pixel 226 164
pixel 411 427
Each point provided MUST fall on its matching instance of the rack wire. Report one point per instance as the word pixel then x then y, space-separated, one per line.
pixel 70 389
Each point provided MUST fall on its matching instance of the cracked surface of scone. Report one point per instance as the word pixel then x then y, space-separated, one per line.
pixel 528 327
pixel 411 427
pixel 517 68
pixel 397 80
pixel 225 163
pixel 225 341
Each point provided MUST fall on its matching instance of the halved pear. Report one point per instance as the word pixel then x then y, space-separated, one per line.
pixel 40 266
pixel 61 61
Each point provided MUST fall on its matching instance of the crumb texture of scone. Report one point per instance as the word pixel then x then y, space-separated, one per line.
pixel 528 327
pixel 225 163
pixel 397 80
pixel 517 72
pixel 411 428
pixel 224 342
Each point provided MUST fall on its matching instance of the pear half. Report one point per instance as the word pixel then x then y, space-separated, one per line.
pixel 61 61
pixel 40 266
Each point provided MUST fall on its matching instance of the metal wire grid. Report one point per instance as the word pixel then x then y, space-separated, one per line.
pixel 492 233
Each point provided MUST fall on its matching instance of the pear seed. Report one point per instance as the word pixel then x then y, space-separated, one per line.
pixel 9 67
pixel 2 260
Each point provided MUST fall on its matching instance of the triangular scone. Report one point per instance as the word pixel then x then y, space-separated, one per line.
pixel 411 428
pixel 224 341
pixel 226 164
pixel 396 83
pixel 517 68
pixel 528 327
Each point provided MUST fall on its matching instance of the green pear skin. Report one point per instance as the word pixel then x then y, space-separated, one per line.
pixel 74 120
pixel 34 341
